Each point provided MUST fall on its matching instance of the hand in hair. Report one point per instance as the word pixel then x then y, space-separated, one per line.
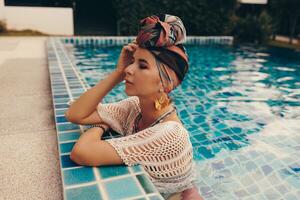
pixel 126 57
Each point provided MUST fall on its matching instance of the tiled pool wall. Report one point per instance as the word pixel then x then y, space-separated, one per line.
pixel 106 182
pixel 118 41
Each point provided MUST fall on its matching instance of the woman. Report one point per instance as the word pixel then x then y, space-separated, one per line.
pixel 153 135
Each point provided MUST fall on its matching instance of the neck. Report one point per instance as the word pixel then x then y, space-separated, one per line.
pixel 148 111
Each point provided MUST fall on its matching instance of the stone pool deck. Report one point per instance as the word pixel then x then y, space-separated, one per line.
pixel 29 167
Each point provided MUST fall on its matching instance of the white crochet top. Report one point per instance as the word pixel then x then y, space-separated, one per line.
pixel 164 150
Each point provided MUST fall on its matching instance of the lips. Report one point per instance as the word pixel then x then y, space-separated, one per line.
pixel 128 82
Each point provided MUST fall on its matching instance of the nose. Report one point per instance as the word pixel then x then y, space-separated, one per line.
pixel 129 69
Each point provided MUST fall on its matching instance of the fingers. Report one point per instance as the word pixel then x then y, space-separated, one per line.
pixel 134 41
pixel 131 46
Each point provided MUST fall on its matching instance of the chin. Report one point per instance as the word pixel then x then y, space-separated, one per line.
pixel 129 93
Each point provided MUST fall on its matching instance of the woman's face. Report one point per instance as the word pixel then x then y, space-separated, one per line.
pixel 143 74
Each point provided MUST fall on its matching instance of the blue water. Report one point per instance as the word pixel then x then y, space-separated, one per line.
pixel 241 106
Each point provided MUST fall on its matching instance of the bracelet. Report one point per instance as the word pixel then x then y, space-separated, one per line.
pixel 98 125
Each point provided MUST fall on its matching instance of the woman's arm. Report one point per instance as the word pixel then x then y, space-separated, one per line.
pixel 85 106
pixel 88 101
pixel 90 150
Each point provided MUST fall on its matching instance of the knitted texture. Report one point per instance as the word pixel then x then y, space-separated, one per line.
pixel 164 150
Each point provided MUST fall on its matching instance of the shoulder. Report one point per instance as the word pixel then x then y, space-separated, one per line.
pixel 173 135
pixel 171 127
pixel 132 101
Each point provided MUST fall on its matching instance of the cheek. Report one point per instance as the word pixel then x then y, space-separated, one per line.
pixel 148 83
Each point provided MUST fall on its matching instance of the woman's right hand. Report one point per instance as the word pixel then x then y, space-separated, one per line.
pixel 126 57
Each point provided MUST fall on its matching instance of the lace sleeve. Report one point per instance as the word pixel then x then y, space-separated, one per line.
pixel 117 115
pixel 157 144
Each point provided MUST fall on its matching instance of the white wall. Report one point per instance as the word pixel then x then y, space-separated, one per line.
pixel 254 1
pixel 58 21
pixel 1 9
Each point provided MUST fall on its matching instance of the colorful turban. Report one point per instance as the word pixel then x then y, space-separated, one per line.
pixel 163 36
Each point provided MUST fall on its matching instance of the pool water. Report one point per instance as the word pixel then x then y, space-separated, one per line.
pixel 241 106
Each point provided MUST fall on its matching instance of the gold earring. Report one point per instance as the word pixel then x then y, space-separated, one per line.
pixel 158 102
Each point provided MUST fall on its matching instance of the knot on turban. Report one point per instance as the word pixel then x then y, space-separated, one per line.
pixel 161 31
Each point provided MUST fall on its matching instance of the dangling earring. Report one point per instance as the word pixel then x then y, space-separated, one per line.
pixel 161 102
pixel 158 103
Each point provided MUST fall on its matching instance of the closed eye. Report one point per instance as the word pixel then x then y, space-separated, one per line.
pixel 142 66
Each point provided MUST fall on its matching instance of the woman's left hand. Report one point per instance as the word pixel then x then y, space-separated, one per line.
pixel 106 126
pixel 126 57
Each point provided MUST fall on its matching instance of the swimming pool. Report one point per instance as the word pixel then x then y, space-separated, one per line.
pixel 241 106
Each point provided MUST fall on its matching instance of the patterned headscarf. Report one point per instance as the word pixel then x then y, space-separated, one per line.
pixel 163 36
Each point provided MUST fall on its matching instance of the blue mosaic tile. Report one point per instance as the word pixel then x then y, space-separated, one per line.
pixel 60 96
pixel 59 91
pixel 270 193
pixel 231 145
pixel 155 198
pixel 87 192
pixel 67 127
pixel 111 171
pixel 77 90
pixel 61 100
pixel 250 166
pixel 267 169
pixel 61 119
pixel 241 193
pixel 60 112
pixel 78 176
pixel 295 167
pixel 291 197
pixel 77 95
pixel 147 185
pixel 294 181
pixel 68 136
pixel 66 147
pixel 254 189
pixel 122 188
pixel 136 168
pixel 218 165
pixel 61 106
pixel 67 162
pixel 200 137
pixel 205 152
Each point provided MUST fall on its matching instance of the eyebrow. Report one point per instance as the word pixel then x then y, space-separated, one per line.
pixel 143 60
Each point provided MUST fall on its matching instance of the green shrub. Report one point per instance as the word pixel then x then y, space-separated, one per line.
pixel 252 28
pixel 267 27
pixel 200 17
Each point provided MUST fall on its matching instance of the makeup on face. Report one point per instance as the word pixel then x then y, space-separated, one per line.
pixel 141 71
